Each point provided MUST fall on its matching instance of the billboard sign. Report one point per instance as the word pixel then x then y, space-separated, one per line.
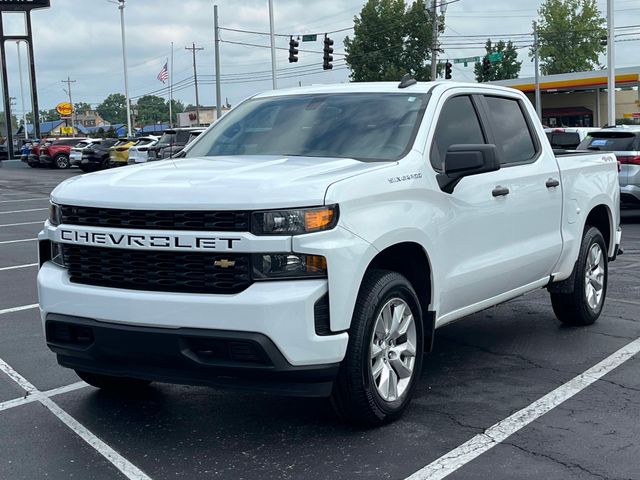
pixel 64 109
pixel 23 5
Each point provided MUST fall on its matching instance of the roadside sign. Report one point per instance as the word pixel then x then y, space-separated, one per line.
pixel 66 130
pixel 64 108
pixel 632 115
pixel 495 57
pixel 23 5
pixel 466 60
pixel 309 38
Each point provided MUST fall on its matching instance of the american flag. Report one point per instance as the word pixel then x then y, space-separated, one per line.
pixel 163 76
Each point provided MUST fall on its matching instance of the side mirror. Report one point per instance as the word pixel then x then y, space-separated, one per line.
pixel 465 160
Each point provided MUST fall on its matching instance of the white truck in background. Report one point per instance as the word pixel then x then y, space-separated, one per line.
pixel 313 239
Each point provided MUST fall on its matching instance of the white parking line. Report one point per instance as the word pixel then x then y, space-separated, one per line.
pixel 19 241
pixel 465 453
pixel 127 468
pixel 22 211
pixel 19 309
pixel 33 397
pixel 17 267
pixel 22 223
pixel 24 200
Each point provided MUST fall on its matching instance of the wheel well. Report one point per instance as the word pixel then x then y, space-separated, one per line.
pixel 408 259
pixel 599 218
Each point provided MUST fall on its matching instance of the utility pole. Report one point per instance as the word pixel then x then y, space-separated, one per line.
pixel 194 49
pixel 24 113
pixel 273 46
pixel 126 70
pixel 217 48
pixel 434 40
pixel 611 65
pixel 536 63
pixel 68 81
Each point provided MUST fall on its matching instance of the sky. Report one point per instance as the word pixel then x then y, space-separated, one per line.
pixel 81 39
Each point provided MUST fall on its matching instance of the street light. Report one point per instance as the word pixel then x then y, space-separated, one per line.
pixel 24 113
pixel 120 4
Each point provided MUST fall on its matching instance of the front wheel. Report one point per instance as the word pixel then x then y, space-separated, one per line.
pixel 62 162
pixel 110 383
pixel 384 354
pixel 584 304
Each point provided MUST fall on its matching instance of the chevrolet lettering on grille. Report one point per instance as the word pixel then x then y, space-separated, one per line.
pixel 151 241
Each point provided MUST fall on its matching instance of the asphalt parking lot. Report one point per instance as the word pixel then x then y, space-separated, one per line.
pixel 484 370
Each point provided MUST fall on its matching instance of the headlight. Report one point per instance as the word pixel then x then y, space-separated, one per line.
pixel 288 266
pixel 295 221
pixel 55 215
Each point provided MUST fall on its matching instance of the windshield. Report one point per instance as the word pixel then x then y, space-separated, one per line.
pixel 363 126
pixel 168 138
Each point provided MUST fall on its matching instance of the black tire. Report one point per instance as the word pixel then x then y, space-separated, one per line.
pixel 574 308
pixel 110 383
pixel 34 165
pixel 106 163
pixel 61 162
pixel 85 168
pixel 355 396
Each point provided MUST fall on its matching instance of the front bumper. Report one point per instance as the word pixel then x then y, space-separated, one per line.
pixel 283 311
pixel 185 355
pixel 46 160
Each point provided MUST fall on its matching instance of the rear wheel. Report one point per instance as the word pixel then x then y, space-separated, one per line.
pixel 110 383
pixel 106 163
pixel 62 162
pixel 584 304
pixel 384 355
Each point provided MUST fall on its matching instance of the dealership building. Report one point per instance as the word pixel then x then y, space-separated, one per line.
pixel 580 99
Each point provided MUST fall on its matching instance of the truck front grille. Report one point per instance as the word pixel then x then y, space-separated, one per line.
pixel 183 272
pixel 197 220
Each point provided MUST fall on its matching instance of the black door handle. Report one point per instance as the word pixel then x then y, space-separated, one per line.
pixel 552 182
pixel 500 191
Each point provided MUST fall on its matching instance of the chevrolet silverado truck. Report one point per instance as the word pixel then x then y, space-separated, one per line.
pixel 313 239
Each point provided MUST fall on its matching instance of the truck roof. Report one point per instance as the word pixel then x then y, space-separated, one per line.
pixel 377 87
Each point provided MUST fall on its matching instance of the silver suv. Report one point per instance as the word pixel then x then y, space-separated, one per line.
pixel 625 143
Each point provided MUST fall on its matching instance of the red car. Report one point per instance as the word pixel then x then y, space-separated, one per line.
pixel 57 153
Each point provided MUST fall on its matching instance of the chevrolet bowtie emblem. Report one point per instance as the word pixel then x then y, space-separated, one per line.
pixel 224 263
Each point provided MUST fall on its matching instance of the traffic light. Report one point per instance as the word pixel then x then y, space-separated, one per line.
pixel 328 50
pixel 447 70
pixel 604 40
pixel 486 68
pixel 293 50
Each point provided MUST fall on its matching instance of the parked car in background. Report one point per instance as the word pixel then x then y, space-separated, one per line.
pixel 119 153
pixel 624 141
pixel 96 157
pixel 568 138
pixel 25 150
pixel 56 154
pixel 4 151
pixel 171 142
pixel 33 160
pixel 175 150
pixel 76 152
pixel 139 152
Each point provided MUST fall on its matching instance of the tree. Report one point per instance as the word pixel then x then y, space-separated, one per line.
pixel 82 107
pixel 505 69
pixel 177 107
pixel 114 108
pixel 390 39
pixel 152 109
pixel 45 116
pixel 569 33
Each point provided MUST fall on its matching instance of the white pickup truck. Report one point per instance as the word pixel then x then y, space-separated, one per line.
pixel 312 240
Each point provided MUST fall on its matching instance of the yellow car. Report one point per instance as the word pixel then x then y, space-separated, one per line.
pixel 119 153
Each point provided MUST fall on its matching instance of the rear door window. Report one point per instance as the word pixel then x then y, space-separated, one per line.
pixel 458 125
pixel 511 130
pixel 565 140
pixel 610 142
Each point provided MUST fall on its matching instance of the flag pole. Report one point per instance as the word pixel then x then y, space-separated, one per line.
pixel 171 90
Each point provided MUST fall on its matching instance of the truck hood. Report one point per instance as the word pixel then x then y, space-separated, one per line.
pixel 225 183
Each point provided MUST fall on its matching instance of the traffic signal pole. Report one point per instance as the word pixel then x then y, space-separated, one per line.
pixel 217 49
pixel 273 46
pixel 536 60
pixel 611 65
pixel 434 40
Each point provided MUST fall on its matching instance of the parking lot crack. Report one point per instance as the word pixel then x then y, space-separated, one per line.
pixel 458 422
pixel 567 465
